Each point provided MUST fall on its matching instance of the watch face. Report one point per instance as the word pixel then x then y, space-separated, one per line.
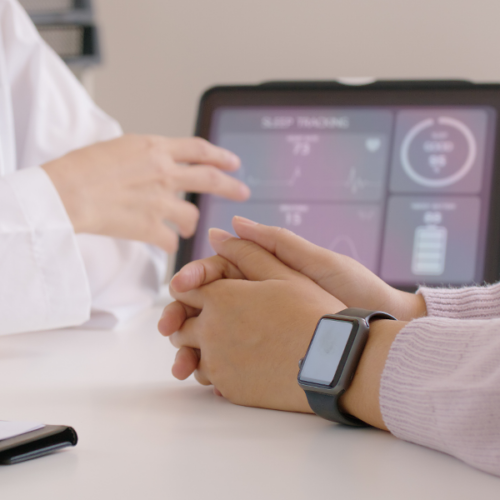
pixel 325 352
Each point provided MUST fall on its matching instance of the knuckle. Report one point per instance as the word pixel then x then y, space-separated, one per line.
pixel 155 153
pixel 149 142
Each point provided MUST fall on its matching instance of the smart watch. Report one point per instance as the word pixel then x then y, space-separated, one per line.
pixel 328 367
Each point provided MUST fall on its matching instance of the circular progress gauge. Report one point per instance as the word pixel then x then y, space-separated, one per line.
pixel 438 152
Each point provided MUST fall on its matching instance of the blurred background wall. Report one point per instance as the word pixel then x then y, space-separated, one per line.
pixel 159 55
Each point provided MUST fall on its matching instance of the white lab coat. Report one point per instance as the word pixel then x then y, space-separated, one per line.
pixel 50 277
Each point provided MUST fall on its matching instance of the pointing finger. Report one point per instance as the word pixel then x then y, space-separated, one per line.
pixel 208 179
pixel 197 150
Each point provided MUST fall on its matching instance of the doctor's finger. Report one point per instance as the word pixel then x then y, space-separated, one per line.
pixel 204 271
pixel 208 179
pixel 253 261
pixel 173 317
pixel 197 150
pixel 152 224
pixel 161 236
pixel 179 212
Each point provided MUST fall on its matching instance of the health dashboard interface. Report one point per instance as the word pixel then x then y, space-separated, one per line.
pixel 404 191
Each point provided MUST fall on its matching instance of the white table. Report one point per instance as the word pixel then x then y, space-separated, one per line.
pixel 145 435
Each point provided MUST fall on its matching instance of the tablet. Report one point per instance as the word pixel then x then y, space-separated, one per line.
pixel 401 176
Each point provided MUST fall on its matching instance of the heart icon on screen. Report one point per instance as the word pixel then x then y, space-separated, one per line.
pixel 373 144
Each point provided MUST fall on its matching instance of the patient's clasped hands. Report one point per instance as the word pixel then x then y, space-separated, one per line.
pixel 243 318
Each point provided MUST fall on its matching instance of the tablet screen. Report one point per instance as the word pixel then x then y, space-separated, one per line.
pixel 403 190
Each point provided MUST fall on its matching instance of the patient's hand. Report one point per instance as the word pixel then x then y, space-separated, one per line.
pixel 250 332
pixel 343 277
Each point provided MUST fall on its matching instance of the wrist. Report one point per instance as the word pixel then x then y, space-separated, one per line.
pixel 69 192
pixel 408 306
pixel 361 399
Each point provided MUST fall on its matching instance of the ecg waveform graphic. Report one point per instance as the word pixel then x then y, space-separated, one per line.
pixel 355 183
pixel 290 182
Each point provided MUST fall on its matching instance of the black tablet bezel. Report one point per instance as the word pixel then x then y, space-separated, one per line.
pixel 381 93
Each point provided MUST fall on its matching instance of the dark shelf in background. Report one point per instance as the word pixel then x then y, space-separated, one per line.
pixel 68 27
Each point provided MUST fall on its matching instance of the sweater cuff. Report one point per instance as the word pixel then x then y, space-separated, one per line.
pixel 478 302
pixel 441 388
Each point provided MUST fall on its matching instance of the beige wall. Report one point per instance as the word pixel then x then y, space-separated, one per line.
pixel 159 55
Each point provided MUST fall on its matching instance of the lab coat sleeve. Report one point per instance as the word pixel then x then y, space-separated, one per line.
pixel 51 115
pixel 43 280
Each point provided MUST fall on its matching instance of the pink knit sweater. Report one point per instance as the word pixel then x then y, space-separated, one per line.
pixel 441 383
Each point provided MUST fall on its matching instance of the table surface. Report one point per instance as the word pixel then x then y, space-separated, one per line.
pixel 143 434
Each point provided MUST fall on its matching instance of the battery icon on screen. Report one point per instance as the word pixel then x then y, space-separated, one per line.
pixel 429 250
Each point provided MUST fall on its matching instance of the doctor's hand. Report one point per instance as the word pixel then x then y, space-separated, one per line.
pixel 129 187
pixel 343 277
pixel 246 336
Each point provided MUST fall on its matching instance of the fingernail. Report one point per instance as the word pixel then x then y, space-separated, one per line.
pixel 219 234
pixel 243 220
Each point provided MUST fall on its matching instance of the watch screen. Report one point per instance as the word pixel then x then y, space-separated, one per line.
pixel 403 190
pixel 324 355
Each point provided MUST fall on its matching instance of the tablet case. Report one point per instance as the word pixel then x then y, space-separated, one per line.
pixel 36 443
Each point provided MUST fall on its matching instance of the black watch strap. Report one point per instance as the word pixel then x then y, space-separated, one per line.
pixel 327 406
pixel 365 314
